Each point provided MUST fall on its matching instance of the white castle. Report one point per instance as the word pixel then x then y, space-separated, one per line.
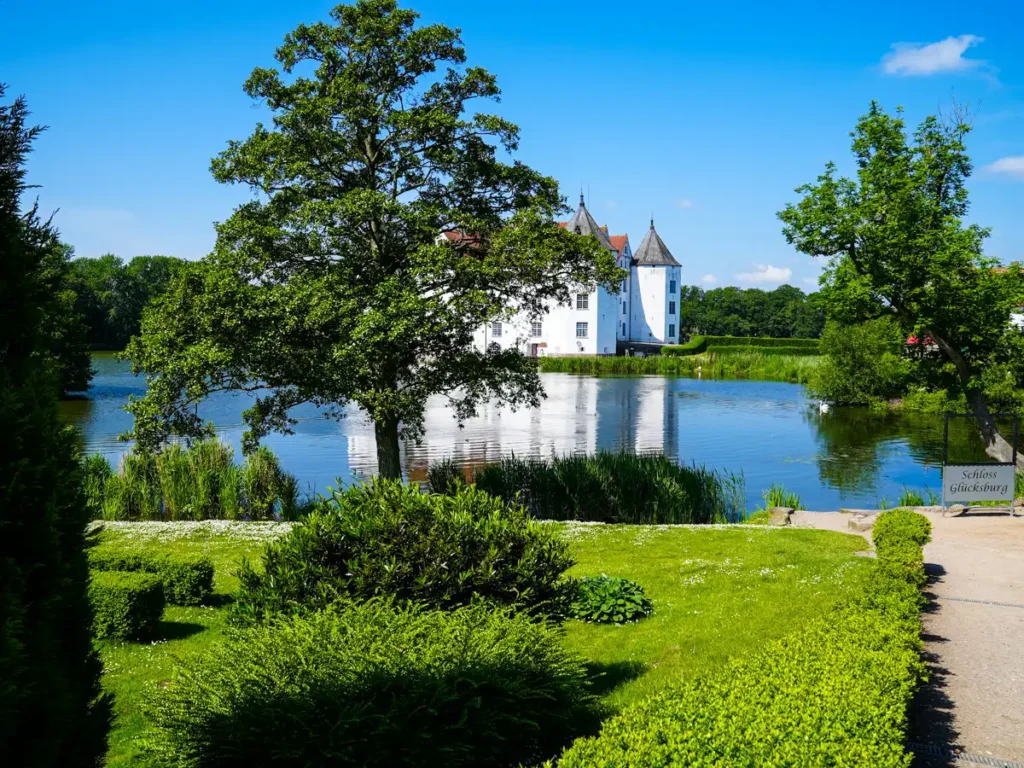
pixel 645 311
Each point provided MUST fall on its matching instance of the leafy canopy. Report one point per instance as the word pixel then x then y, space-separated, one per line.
pixel 897 244
pixel 334 284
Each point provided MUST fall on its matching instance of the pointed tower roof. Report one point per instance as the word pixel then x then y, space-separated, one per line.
pixel 582 223
pixel 653 252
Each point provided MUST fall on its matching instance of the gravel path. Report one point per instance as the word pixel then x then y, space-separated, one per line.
pixel 972 710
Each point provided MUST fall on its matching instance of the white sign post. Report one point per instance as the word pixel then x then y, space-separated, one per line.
pixel 964 483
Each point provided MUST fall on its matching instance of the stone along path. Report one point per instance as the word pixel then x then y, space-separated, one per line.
pixel 972 710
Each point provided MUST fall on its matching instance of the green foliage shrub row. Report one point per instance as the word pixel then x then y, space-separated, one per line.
pixel 797 369
pixel 196 483
pixel 126 606
pixel 615 488
pixel 715 349
pixel 610 600
pixel 699 344
pixel 186 579
pixel 835 693
pixel 387 538
pixel 373 684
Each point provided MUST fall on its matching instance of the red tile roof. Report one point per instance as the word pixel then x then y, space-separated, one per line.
pixel 619 242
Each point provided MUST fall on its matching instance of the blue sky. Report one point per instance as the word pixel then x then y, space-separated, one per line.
pixel 706 115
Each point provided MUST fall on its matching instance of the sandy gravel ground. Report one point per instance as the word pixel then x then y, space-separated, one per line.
pixel 974 703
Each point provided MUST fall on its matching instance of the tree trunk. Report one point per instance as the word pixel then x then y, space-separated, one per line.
pixel 996 446
pixel 389 463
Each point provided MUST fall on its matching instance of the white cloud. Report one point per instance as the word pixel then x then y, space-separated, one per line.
pixel 947 55
pixel 709 279
pixel 1011 166
pixel 766 273
pixel 686 203
pixel 811 281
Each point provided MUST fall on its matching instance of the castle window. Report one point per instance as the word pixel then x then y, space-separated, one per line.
pixel 581 330
pixel 496 330
pixel 536 328
pixel 623 307
pixel 671 331
pixel 582 301
pixel 671 286
pixel 671 307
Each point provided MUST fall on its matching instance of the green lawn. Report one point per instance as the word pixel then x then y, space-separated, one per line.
pixel 718 591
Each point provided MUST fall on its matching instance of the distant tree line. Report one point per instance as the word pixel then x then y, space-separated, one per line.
pixel 95 304
pixel 785 312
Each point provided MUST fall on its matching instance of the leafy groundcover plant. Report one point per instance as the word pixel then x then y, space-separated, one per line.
pixel 375 684
pixel 836 693
pixel 386 538
pixel 186 579
pixel 610 600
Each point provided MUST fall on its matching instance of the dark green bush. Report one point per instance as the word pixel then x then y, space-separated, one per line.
pixel 186 579
pixel 388 538
pixel 373 684
pixel 52 709
pixel 445 476
pixel 126 606
pixel 615 488
pixel 610 600
pixel 835 693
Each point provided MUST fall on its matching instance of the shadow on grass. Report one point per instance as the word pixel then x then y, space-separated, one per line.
pixel 605 678
pixel 218 601
pixel 178 630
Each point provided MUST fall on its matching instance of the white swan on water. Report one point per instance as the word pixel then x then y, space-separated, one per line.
pixel 824 407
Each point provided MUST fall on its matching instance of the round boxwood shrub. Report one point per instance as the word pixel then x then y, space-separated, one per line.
pixel 388 538
pixel 126 606
pixel 610 600
pixel 187 578
pixel 376 684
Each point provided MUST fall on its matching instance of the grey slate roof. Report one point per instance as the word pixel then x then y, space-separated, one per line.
pixel 653 252
pixel 582 223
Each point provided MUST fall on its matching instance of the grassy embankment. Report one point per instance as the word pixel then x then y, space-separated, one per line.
pixel 710 357
pixel 719 592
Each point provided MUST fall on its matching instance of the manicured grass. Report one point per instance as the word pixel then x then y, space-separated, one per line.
pixel 718 592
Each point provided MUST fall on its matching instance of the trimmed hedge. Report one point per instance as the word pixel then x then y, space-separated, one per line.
pixel 387 538
pixel 126 606
pixel 699 344
pixel 186 579
pixel 373 684
pixel 716 349
pixel 834 693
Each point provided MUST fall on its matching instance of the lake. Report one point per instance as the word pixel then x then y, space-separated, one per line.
pixel 771 432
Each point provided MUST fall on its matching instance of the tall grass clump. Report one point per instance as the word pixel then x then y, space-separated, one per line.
pixel 198 482
pixel 615 488
pixel 778 496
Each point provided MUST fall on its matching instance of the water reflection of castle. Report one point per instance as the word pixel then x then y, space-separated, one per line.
pixel 580 415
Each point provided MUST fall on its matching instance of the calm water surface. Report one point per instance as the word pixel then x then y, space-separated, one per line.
pixel 771 432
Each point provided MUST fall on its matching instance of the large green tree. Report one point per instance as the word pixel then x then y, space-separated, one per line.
pixel 898 246
pixel 335 285
pixel 51 709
